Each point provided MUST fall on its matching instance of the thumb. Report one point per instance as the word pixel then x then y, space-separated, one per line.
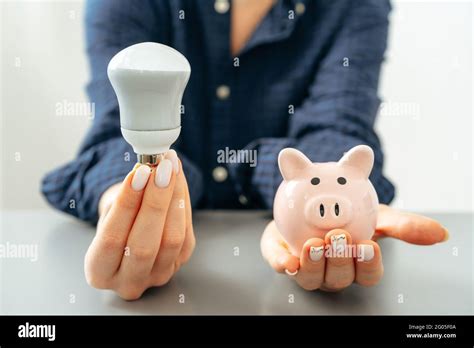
pixel 411 228
pixel 275 251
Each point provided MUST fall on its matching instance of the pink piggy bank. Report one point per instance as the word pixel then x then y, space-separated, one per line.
pixel 315 198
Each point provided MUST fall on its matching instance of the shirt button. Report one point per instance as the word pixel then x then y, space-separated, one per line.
pixel 300 8
pixel 243 199
pixel 221 6
pixel 223 92
pixel 219 174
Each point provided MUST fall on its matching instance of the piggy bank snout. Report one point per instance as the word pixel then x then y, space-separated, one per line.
pixel 328 212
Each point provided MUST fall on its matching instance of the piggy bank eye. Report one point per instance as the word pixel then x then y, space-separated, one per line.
pixel 341 180
pixel 315 181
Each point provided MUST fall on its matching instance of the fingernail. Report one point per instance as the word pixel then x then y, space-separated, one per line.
pixel 291 274
pixel 282 260
pixel 136 166
pixel 173 157
pixel 446 235
pixel 163 173
pixel 365 252
pixel 315 253
pixel 338 240
pixel 140 178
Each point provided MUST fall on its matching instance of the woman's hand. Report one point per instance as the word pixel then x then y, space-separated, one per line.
pixel 145 230
pixel 317 269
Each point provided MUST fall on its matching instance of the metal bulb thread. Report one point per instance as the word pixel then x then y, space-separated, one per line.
pixel 151 160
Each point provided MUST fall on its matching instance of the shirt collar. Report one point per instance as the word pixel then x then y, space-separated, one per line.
pixel 276 25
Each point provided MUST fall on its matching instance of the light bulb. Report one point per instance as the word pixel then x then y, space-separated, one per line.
pixel 149 80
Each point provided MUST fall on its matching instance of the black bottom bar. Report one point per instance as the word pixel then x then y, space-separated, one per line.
pixel 137 330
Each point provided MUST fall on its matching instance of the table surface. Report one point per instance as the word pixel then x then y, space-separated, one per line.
pixel 227 274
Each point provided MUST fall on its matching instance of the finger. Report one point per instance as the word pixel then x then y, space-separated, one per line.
pixel 172 241
pixel 145 237
pixel 340 272
pixel 369 267
pixel 312 263
pixel 275 251
pixel 105 253
pixel 411 228
pixel 107 199
pixel 189 239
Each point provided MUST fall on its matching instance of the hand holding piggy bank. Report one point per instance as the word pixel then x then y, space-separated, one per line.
pixel 315 198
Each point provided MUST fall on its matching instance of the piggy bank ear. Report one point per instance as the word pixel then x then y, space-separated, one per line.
pixel 291 161
pixel 361 157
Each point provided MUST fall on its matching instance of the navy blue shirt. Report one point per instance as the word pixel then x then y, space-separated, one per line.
pixel 307 78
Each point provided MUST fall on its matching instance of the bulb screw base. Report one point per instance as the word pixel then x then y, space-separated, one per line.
pixel 151 160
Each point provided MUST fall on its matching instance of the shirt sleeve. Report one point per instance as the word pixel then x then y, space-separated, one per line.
pixel 104 158
pixel 339 112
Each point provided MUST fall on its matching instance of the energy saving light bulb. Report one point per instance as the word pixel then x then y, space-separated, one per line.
pixel 149 80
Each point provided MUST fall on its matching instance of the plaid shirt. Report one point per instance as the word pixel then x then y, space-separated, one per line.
pixel 307 78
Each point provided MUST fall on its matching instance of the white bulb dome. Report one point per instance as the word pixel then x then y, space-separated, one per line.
pixel 149 56
pixel 149 80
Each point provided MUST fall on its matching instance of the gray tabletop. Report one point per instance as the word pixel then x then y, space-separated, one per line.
pixel 226 274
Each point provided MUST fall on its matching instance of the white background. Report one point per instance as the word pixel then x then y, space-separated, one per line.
pixel 425 124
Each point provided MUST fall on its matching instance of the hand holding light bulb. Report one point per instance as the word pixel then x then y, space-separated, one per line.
pixel 145 231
